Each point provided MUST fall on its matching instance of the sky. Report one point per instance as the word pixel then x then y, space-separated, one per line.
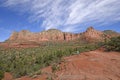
pixel 66 15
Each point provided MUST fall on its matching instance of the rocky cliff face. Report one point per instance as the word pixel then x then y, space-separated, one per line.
pixel 49 35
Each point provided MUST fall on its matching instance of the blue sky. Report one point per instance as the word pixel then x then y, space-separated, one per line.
pixel 66 15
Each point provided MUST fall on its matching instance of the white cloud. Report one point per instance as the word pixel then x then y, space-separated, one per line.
pixel 69 14
pixel 99 10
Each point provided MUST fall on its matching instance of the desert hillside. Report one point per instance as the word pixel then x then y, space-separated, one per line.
pixel 59 40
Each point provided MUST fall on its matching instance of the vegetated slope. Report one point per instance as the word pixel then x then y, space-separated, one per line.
pixel 112 33
pixel 93 65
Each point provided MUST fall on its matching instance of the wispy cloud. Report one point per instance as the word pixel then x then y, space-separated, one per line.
pixel 68 14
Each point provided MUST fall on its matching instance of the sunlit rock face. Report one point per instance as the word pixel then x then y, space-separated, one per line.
pixel 49 35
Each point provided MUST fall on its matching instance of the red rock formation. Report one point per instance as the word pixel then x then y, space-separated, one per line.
pixel 93 35
pixel 49 35
pixel 90 35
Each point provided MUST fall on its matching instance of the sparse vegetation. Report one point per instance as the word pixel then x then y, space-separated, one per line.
pixel 28 61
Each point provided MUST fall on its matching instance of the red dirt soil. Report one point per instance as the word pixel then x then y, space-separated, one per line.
pixel 93 65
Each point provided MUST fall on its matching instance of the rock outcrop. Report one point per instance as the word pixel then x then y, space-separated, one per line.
pixel 92 35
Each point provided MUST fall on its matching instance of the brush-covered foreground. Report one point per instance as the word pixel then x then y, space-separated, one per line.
pixel 29 61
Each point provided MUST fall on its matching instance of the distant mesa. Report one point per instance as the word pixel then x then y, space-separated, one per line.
pixel 27 38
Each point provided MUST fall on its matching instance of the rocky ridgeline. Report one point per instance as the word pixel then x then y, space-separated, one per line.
pixel 89 35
